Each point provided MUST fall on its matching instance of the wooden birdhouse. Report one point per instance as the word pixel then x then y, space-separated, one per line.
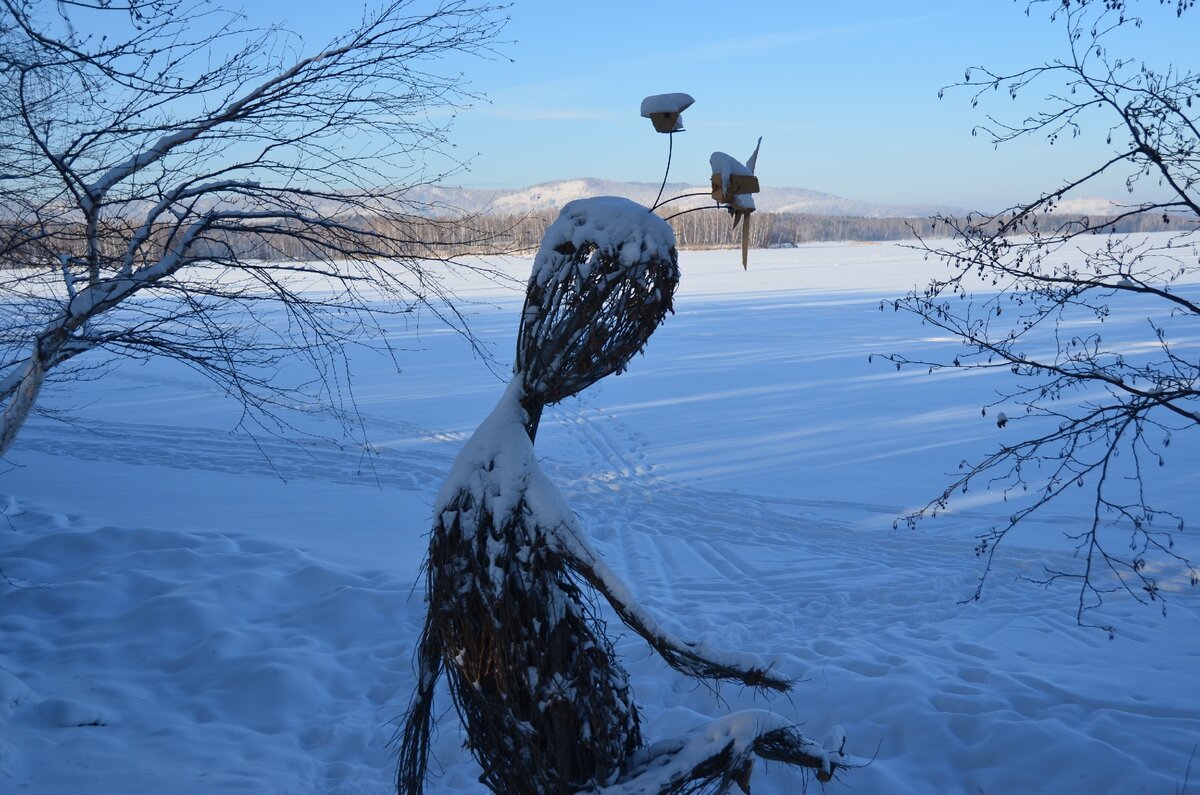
pixel 732 184
pixel 665 111
pixel 731 179
pixel 725 190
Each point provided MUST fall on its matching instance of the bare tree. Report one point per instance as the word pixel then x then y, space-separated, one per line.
pixel 1029 293
pixel 191 187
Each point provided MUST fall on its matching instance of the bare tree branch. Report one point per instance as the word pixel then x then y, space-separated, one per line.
pixel 156 184
pixel 1028 293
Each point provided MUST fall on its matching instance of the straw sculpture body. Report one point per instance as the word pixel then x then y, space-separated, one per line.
pixel 546 705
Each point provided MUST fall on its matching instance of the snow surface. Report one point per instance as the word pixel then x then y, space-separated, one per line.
pixel 188 610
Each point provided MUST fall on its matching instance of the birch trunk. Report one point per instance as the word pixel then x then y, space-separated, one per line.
pixel 23 397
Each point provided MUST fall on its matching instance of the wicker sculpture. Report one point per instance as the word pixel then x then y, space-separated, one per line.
pixel 546 705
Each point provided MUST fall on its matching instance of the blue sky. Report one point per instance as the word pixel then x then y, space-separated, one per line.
pixel 844 94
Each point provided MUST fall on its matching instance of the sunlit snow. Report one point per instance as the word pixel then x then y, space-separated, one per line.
pixel 188 610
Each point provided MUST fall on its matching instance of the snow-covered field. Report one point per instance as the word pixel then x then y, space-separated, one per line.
pixel 186 610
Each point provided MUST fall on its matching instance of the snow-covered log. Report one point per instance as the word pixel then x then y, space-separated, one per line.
pixel 714 757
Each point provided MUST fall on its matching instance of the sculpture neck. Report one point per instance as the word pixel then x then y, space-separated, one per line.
pixel 533 406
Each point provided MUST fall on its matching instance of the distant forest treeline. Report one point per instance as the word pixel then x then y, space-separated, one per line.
pixel 712 228
pixel 493 233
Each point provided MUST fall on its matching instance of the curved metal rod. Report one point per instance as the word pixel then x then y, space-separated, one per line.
pixel 696 209
pixel 680 196
pixel 670 152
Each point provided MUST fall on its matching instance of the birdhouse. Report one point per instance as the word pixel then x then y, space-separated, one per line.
pixel 731 179
pixel 665 111
pixel 726 190
pixel 732 184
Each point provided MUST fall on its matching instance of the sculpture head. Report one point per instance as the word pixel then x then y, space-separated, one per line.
pixel 603 280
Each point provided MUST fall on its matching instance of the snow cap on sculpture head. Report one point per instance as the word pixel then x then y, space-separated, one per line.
pixel 603 280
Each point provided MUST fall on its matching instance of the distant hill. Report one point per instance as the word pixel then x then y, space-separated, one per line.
pixel 550 196
pixel 785 217
pixel 515 220
pixel 1092 207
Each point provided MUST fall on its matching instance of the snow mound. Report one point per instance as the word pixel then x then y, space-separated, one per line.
pixel 13 691
pixel 233 664
pixel 60 713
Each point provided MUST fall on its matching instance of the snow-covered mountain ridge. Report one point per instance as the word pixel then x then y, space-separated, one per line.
pixel 550 196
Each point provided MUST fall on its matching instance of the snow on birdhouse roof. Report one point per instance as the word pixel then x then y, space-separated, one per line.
pixel 666 103
pixel 727 165
pixel 732 182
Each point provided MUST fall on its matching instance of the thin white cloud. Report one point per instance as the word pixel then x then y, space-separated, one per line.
pixel 749 45
pixel 543 114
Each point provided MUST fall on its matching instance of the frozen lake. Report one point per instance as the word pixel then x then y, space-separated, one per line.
pixel 229 614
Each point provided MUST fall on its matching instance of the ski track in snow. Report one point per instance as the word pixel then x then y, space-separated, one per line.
pixel 264 662
pixel 295 458
pixel 150 660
